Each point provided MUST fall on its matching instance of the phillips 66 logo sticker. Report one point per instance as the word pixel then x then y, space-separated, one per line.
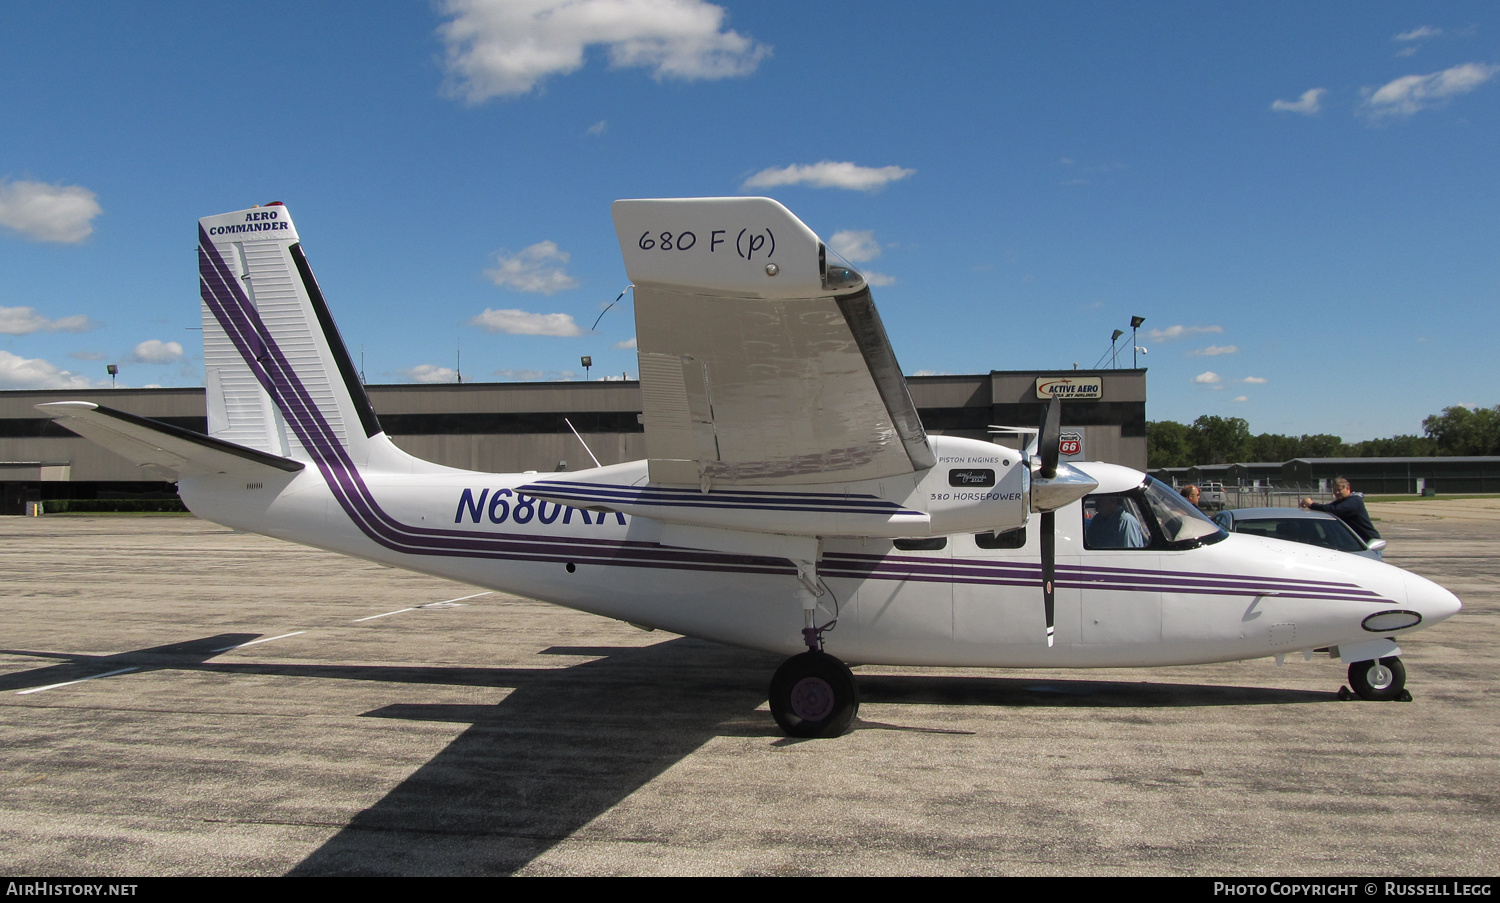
pixel 1070 444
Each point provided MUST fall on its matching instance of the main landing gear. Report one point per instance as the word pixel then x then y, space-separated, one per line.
pixel 1380 680
pixel 813 694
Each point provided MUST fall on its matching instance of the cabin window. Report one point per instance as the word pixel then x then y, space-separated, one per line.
pixel 926 544
pixel 1007 539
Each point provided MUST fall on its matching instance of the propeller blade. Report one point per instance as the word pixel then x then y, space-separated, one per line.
pixel 1049 437
pixel 1049 566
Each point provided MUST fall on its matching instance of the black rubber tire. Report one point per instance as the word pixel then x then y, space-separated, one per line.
pixel 814 695
pixel 1381 680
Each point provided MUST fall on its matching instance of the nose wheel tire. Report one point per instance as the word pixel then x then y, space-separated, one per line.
pixel 814 695
pixel 1381 680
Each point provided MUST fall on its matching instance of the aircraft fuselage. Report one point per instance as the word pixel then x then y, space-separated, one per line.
pixel 960 605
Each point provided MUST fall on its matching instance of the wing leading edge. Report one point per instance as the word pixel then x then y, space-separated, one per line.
pixel 762 362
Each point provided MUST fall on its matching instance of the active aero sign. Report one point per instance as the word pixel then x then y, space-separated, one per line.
pixel 1066 387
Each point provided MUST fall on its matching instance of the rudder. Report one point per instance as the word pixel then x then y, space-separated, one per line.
pixel 278 376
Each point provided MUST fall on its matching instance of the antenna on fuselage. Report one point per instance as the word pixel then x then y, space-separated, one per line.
pixel 581 442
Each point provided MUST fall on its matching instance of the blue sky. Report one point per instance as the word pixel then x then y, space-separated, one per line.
pixel 1301 199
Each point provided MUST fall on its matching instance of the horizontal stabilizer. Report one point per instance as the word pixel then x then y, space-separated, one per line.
pixel 165 451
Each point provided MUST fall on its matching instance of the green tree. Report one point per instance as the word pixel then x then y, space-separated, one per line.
pixel 1273 447
pixel 1168 444
pixel 1395 447
pixel 1220 440
pixel 1460 431
pixel 1321 445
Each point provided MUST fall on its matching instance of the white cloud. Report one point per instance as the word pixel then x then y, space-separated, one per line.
pixel 1206 378
pixel 155 351
pixel 17 372
pixel 1177 332
pixel 1418 34
pixel 598 128
pixel 1309 103
pixel 538 268
pixel 497 48
pixel 925 373
pixel 1413 93
pixel 854 245
pixel 877 279
pixel 89 355
pixel 520 322
pixel 430 373
pixel 42 212
pixel 627 345
pixel 1254 380
pixel 1242 398
pixel 25 320
pixel 1214 351
pixel 829 174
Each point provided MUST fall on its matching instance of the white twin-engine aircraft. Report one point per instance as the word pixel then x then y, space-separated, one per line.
pixel 791 499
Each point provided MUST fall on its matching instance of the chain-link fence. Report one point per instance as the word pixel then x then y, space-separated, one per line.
pixel 1271 496
pixel 1283 495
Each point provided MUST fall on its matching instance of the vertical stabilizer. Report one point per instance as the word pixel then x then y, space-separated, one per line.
pixel 278 377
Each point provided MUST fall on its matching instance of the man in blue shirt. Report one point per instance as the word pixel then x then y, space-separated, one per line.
pixel 1113 527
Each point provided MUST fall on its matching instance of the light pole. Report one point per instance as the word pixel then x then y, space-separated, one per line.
pixel 1135 323
pixel 1114 361
pixel 587 361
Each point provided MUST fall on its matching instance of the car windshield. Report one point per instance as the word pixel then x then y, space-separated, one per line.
pixel 1179 519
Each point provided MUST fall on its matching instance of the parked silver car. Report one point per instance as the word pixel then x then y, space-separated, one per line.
pixel 1316 528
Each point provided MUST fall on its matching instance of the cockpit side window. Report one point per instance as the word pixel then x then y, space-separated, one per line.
pixel 1151 516
pixel 1115 521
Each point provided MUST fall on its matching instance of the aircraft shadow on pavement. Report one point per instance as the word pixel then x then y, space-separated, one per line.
pixel 1047 692
pixel 570 743
pixel 74 666
pixel 566 746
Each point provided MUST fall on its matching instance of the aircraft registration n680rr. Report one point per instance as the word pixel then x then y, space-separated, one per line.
pixel 791 499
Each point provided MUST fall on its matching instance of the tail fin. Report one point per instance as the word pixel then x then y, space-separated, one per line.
pixel 279 379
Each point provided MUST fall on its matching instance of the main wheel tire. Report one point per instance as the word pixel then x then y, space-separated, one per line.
pixel 814 695
pixel 1381 680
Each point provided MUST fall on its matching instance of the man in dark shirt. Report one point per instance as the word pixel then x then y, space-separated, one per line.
pixel 1347 507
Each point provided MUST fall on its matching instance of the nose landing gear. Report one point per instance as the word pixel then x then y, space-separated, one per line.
pixel 1379 680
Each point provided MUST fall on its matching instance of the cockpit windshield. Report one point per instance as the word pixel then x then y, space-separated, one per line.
pixel 1179 519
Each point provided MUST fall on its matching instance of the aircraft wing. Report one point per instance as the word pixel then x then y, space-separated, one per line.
pixel 166 451
pixel 762 358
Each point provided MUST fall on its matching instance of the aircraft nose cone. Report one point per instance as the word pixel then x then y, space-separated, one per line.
pixel 1432 601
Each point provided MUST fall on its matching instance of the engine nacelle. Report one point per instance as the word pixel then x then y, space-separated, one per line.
pixel 975 485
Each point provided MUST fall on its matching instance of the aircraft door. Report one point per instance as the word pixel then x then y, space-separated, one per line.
pixel 1117 570
pixel 997 592
pixel 906 602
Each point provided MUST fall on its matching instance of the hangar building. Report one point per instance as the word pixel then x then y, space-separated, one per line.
pixel 508 427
